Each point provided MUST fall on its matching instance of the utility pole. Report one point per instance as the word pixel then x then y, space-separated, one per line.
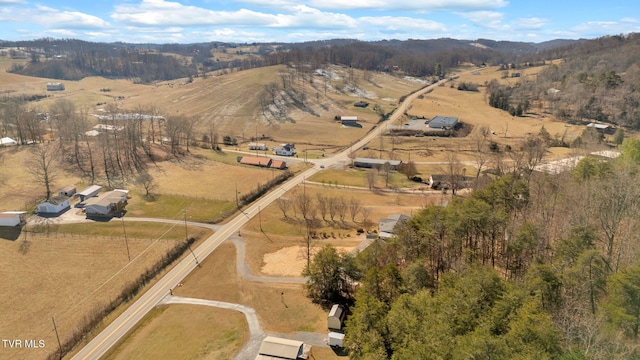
pixel 186 233
pixel 126 241
pixel 55 328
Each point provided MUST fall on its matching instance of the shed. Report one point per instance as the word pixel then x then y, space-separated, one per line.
pixel 336 317
pixel 90 191
pixel 54 205
pixel 13 218
pixel 55 86
pixel 258 146
pixel 278 348
pixel 443 122
pixel 278 164
pixel 255 161
pixel 107 204
pixel 7 141
pixel 68 190
pixel 335 339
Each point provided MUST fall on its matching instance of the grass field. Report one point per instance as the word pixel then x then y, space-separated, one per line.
pixel 69 274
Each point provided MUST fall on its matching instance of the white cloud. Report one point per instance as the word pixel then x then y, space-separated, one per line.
pixel 402 23
pixel 423 5
pixel 487 19
pixel 54 18
pixel 529 23
pixel 11 2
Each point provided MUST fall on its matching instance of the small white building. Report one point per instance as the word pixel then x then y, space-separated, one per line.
pixel 55 86
pixel 13 218
pixel 335 339
pixel 336 317
pixel 54 205
pixel 7 141
pixel 258 146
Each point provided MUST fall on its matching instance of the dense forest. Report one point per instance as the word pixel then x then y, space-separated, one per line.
pixel 529 266
pixel 75 59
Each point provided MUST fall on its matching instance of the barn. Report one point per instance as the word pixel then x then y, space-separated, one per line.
pixel 54 205
pixel 55 86
pixel 68 190
pixel 443 123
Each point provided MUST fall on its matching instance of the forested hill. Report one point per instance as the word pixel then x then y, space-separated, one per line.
pixel 72 59
pixel 598 80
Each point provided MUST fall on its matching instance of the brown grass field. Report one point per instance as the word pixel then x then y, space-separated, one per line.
pixel 69 273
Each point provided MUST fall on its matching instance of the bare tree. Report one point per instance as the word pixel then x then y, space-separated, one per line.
pixel 43 165
pixel 354 208
pixel 147 181
pixel 283 205
pixel 342 206
pixel 366 218
pixel 480 138
pixel 303 203
pixel 323 206
pixel 371 178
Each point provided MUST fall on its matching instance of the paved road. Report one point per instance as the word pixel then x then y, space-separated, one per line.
pixel 118 329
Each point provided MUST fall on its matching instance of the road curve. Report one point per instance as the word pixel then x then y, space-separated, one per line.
pixel 119 328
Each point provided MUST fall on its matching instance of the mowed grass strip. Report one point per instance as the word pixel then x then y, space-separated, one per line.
pixel 166 206
pixel 185 332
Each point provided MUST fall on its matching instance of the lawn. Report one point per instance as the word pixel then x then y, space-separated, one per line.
pixel 191 331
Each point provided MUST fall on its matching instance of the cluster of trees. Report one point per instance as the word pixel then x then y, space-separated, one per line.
pixel 598 80
pixel 531 265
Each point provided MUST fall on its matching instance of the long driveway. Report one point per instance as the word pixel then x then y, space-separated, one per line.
pixel 118 329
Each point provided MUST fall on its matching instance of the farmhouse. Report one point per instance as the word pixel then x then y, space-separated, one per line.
pixel 386 226
pixel 54 205
pixel 91 191
pixel 336 317
pixel 68 190
pixel 375 163
pixel 7 141
pixel 285 150
pixel 273 348
pixel 12 218
pixel 107 204
pixel 443 123
pixel 257 146
pixel 55 86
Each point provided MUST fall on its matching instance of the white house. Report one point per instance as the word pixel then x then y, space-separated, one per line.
pixel 54 205
pixel 55 86
pixel 12 218
pixel 336 317
pixel 7 141
pixel 285 150
pixel 107 204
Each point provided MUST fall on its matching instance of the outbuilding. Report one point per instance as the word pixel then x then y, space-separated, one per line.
pixel 68 191
pixel 7 141
pixel 443 123
pixel 55 86
pixel 336 317
pixel 13 218
pixel 89 192
pixel 278 348
pixel 335 339
pixel 386 226
pixel 375 163
pixel 54 205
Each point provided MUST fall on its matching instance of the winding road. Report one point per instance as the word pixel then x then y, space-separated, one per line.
pixel 119 328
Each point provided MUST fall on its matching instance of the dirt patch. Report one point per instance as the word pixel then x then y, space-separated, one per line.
pixel 289 261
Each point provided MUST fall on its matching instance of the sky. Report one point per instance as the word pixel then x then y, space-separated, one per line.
pixel 248 21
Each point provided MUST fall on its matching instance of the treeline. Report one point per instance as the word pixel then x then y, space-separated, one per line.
pixel 530 266
pixel 597 81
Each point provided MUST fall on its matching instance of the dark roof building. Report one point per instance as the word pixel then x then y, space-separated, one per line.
pixel 443 122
